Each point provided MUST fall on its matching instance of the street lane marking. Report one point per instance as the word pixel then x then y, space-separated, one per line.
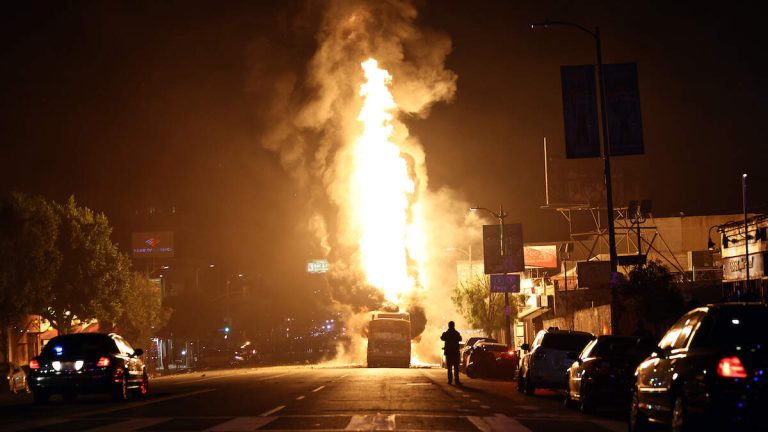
pixel 499 422
pixel 143 403
pixel 475 400
pixel 371 422
pixel 130 424
pixel 318 389
pixel 485 406
pixel 272 411
pixel 242 424
pixel 300 397
pixel 193 381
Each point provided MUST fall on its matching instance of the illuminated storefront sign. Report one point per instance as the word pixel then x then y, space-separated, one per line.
pixel 544 256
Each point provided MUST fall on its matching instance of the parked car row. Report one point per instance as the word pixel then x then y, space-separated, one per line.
pixel 709 370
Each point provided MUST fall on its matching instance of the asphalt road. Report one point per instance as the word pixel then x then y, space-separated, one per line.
pixel 309 398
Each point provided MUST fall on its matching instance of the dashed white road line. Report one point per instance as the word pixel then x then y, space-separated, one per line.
pixel 318 389
pixel 272 411
pixel 300 397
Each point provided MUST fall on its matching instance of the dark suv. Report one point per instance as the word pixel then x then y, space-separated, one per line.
pixel 709 372
pixel 87 363
pixel 466 351
pixel 546 362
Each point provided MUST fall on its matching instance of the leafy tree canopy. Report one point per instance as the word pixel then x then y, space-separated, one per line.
pixel 650 290
pixel 471 298
pixel 29 259
pixel 93 273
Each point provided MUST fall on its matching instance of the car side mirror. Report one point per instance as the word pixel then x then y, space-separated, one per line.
pixel 658 352
pixel 137 352
pixel 525 347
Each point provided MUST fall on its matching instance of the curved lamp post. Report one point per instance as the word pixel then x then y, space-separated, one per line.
pixel 606 158
pixel 500 216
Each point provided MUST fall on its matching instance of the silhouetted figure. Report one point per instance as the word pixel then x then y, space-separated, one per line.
pixel 451 337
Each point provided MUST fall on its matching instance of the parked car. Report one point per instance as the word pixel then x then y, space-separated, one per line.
pixel 491 359
pixel 15 377
pixel 87 363
pixel 467 350
pixel 443 363
pixel 545 363
pixel 710 367
pixel 601 376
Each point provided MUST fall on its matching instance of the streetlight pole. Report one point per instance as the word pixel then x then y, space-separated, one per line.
pixel 500 216
pixel 746 226
pixel 197 276
pixel 606 160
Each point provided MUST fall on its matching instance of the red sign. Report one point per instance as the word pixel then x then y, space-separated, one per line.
pixel 540 256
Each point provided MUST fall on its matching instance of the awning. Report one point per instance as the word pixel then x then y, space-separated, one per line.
pixel 532 313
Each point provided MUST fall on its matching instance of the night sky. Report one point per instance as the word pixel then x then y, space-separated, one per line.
pixel 135 104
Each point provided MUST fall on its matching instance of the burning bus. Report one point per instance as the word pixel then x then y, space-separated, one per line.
pixel 389 340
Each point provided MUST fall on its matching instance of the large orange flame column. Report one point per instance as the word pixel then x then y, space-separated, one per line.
pixel 381 187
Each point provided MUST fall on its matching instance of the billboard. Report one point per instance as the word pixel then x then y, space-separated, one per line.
pixel 152 244
pixel 540 256
pixel 594 274
pixel 512 261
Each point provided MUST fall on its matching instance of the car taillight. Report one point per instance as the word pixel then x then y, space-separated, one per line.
pixel 731 367
pixel 33 364
pixel 103 361
pixel 510 354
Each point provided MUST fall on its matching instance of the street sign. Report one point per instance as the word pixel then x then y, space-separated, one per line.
pixel 318 266
pixel 505 283
pixel 512 261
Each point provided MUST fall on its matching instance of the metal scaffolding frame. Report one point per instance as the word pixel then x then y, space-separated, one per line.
pixel 651 240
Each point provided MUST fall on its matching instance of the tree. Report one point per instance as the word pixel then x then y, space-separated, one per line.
pixel 651 292
pixel 29 259
pixel 93 272
pixel 471 298
pixel 142 311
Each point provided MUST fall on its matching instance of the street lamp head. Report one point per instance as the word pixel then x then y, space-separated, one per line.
pixel 744 175
pixel 544 24
pixel 474 208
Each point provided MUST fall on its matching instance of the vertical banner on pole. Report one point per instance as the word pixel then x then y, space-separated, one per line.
pixel 622 103
pixel 580 111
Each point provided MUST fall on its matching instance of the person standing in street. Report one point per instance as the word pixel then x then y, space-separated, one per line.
pixel 451 337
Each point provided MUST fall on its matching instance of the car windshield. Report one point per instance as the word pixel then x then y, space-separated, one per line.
pixel 81 344
pixel 741 326
pixel 566 341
